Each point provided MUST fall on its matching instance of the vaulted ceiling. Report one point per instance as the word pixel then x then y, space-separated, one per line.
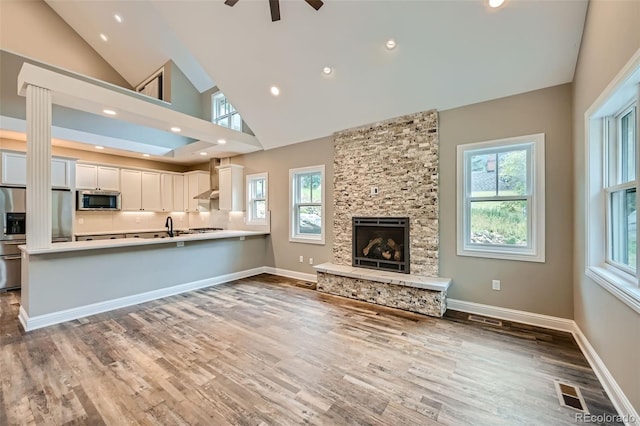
pixel 449 53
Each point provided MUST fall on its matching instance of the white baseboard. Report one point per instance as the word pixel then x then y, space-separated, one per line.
pixel 39 321
pixel 617 396
pixel 522 317
pixel 291 274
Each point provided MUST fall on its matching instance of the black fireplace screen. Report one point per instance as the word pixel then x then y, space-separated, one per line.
pixel 381 243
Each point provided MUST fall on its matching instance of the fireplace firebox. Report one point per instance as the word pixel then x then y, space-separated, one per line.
pixel 381 243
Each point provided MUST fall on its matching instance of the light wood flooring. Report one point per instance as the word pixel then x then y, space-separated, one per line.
pixel 262 351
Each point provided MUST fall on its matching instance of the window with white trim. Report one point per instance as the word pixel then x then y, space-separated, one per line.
pixel 501 199
pixel 620 188
pixel 257 198
pixel 223 113
pixel 611 182
pixel 306 189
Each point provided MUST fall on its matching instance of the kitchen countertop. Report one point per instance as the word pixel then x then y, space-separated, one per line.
pixel 126 242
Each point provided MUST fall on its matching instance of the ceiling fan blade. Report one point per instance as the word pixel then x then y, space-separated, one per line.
pixel 316 4
pixel 275 10
pixel 230 2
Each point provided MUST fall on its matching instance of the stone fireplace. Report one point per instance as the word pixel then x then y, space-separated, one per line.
pixel 386 173
pixel 381 243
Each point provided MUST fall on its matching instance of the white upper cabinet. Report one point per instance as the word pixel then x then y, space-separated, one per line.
pixel 151 194
pixel 14 170
pixel 91 176
pixel 166 192
pixel 131 193
pixel 178 193
pixel 197 182
pixel 140 190
pixel 231 187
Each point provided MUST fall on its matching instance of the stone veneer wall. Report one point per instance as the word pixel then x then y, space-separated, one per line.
pixel 400 157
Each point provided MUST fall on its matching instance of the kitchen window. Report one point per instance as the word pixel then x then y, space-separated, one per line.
pixel 306 189
pixel 257 198
pixel 501 199
pixel 611 183
pixel 224 114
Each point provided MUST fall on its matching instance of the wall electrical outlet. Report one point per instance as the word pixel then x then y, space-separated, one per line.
pixel 301 259
pixel 374 190
pixel 180 244
pixel 137 219
pixel 80 221
pixel 495 284
pixel 311 261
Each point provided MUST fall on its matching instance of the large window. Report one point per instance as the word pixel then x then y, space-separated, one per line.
pixel 620 188
pixel 257 199
pixel 224 114
pixel 611 196
pixel 501 199
pixel 306 186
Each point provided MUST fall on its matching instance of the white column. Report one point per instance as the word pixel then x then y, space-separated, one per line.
pixel 38 167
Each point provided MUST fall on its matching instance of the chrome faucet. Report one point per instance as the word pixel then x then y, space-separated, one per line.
pixel 169 225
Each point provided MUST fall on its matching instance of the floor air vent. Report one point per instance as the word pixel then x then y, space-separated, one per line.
pixel 485 320
pixel 570 397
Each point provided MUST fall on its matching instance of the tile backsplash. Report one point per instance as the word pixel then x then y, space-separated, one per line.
pixel 104 222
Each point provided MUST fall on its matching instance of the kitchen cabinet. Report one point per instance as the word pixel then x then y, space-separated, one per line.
pixel 196 183
pixel 231 187
pixel 178 193
pixel 91 176
pixel 140 190
pixel 14 170
pixel 166 192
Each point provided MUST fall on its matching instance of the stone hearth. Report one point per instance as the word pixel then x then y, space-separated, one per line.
pixel 413 293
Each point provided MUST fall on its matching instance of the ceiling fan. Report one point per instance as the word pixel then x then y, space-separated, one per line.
pixel 275 6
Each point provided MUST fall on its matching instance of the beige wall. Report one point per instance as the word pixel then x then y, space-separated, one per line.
pixel 277 163
pixel 611 37
pixel 31 28
pixel 543 288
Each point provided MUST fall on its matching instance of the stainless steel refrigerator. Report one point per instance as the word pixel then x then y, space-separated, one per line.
pixel 13 229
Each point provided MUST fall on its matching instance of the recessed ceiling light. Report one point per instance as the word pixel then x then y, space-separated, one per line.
pixel 275 91
pixel 146 155
pixel 175 129
pixel 118 18
pixel 99 147
pixel 203 153
pixel 222 141
pixel 496 3
pixel 104 37
pixel 327 70
pixel 109 111
pixel 391 44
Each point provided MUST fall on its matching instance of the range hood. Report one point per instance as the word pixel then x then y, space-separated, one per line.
pixel 213 193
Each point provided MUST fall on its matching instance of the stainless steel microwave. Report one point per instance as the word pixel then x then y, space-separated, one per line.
pixel 98 200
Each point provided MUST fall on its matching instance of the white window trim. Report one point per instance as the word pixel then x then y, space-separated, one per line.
pixel 215 120
pixel 619 92
pixel 536 250
pixel 250 220
pixel 292 235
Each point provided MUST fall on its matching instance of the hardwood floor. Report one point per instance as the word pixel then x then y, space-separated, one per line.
pixel 263 351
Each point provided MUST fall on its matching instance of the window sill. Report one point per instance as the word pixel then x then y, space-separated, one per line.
pixel 502 255
pixel 622 287
pixel 303 240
